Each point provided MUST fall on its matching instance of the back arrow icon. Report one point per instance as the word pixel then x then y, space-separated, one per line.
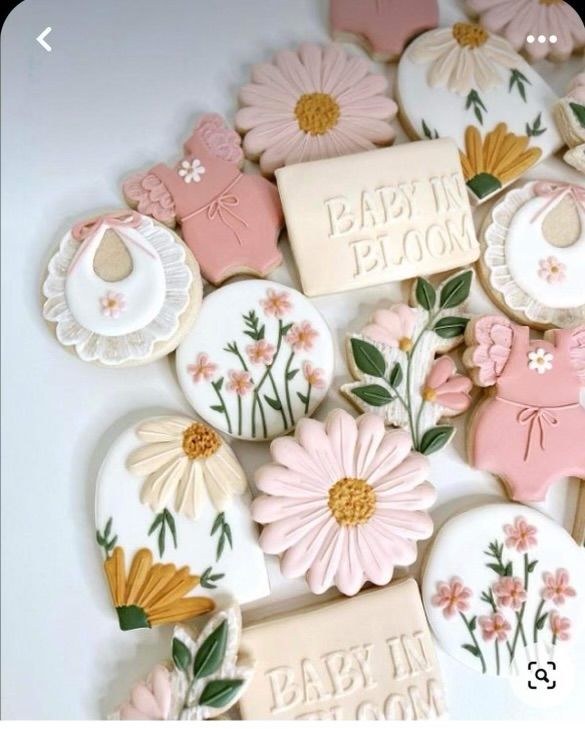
pixel 41 39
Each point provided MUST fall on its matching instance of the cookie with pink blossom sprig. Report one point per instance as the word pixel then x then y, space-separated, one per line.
pixel 501 585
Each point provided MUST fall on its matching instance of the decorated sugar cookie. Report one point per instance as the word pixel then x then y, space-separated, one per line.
pixel 541 28
pixel 259 357
pixel 477 90
pixel 208 195
pixel 121 289
pixel 502 585
pixel 533 399
pixel 312 103
pixel 570 118
pixel 399 375
pixel 344 502
pixel 384 27
pixel 540 283
pixel 371 657
pixel 205 677
pixel 173 523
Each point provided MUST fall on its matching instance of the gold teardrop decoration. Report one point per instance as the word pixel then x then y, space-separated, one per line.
pixel 561 226
pixel 112 261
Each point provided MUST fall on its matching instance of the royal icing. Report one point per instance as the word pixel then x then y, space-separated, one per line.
pixel 533 398
pixel 540 284
pixel 541 28
pixel 205 677
pixel 312 103
pixel 344 502
pixel 211 199
pixel 171 500
pixel 481 93
pixel 383 26
pixel 379 216
pixel 398 374
pixel 570 119
pixel 518 592
pixel 268 364
pixel 119 288
pixel 367 658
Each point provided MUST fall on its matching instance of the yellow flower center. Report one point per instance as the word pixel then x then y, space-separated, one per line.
pixel 352 501
pixel 316 113
pixel 200 441
pixel 429 394
pixel 405 344
pixel 470 36
pixel 554 268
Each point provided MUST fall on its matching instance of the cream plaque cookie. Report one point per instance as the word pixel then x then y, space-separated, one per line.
pixel 121 290
pixel 259 357
pixel 371 657
pixel 379 216
pixel 540 284
pixel 465 83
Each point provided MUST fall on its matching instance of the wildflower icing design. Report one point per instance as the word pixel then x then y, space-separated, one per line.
pixel 394 361
pixel 516 593
pixel 259 387
pixel 205 677
pixel 313 103
pixel 344 502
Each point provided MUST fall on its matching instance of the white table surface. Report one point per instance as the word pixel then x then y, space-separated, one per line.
pixel 120 91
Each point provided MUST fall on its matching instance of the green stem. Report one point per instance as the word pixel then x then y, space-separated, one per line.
pixel 497 647
pixel 278 400
pixel 227 415
pixel 186 704
pixel 236 351
pixel 257 388
pixel 536 619
pixel 308 398
pixel 519 632
pixel 239 415
pixel 286 388
pixel 409 355
pixel 475 643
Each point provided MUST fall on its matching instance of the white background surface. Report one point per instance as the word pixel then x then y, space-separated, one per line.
pixel 120 91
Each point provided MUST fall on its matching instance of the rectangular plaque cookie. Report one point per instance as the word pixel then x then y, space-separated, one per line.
pixel 379 216
pixel 366 657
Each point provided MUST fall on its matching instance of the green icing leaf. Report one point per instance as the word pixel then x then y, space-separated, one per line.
pixel 435 438
pixel 396 375
pixel 508 570
pixel 172 526
pixel 532 565
pixel 450 326
pixel 375 395
pixel 292 374
pixel 368 358
pixel 227 530
pixel 156 523
pixel 434 134
pixel 471 648
pixel 579 112
pixel 483 184
pixel 425 294
pixel 220 693
pixel 274 404
pixel 498 569
pixel 303 398
pixel 541 620
pixel 473 623
pixel 217 523
pixel 211 653
pixel 181 655
pixel 286 328
pixel 218 408
pixel 455 290
pixel 108 528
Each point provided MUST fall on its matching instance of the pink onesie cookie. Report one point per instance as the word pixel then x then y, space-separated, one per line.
pixel 530 430
pixel 384 27
pixel 229 219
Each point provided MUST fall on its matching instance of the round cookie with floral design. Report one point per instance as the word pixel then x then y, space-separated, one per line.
pixel 259 357
pixel 518 592
pixel 121 290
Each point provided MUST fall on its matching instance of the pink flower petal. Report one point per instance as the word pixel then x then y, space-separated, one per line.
pixel 393 451
pixel 291 454
pixel 419 498
pixel 342 432
pixel 280 481
pixel 350 574
pixel 300 556
pixel 322 572
pixel 267 508
pixel 442 369
pixel 312 436
pixel 371 431
pixel 279 536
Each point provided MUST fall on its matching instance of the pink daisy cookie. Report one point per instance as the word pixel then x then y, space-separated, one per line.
pixel 313 103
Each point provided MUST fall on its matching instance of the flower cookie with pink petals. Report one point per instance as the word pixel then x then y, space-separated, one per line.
pixel 313 103
pixel 398 373
pixel 344 502
pixel 503 583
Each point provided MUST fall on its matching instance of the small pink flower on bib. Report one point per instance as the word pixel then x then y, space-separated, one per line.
pixel 551 270
pixel 112 304
pixel 559 626
pixel 494 626
pixel 446 387
pixel 453 597
pixel 556 587
pixel 520 535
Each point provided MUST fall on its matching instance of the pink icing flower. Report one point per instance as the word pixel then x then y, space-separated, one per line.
pixel 494 626
pixel 261 352
pixel 452 596
pixel 239 382
pixel 276 303
pixel 510 592
pixel 520 535
pixel 445 387
pixel 301 336
pixel 556 587
pixel 113 304
pixel 314 376
pixel 344 502
pixel 552 270
pixel 151 700
pixel 203 369
pixel 559 626
pixel 393 326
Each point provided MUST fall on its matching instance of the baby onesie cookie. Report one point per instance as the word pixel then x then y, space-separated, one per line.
pixel 383 27
pixel 379 216
pixel 121 289
pixel 312 103
pixel 344 502
pixel 368 658
pixel 259 357
pixel 533 399
pixel 517 593
pixel 172 520
pixel 205 677
pixel 229 219
pixel 398 374
pixel 477 90
pixel 540 28
pixel 540 284
pixel 570 119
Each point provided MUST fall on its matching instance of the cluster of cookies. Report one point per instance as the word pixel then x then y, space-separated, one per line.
pixel 345 500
